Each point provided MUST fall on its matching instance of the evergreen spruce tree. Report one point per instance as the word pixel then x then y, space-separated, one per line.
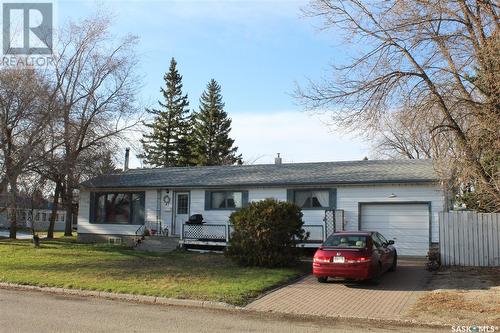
pixel 185 143
pixel 166 144
pixel 211 142
pixel 105 164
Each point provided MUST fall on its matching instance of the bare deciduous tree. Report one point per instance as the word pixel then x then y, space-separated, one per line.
pixel 409 134
pixel 23 116
pixel 94 89
pixel 438 58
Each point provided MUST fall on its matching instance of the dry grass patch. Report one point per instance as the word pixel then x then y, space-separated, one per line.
pixel 469 296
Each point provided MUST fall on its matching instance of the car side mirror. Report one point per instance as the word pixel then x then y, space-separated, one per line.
pixel 390 242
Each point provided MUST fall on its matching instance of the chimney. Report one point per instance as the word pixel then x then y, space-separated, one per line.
pixel 278 160
pixel 127 153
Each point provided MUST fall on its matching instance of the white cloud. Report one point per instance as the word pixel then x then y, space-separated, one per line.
pixel 298 136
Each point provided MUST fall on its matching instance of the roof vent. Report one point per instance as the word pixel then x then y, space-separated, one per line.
pixel 278 160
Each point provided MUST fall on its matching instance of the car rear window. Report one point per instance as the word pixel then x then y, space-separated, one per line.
pixel 347 241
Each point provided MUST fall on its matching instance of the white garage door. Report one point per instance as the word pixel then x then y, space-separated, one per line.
pixel 406 224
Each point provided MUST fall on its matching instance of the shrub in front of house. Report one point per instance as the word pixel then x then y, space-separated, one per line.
pixel 265 234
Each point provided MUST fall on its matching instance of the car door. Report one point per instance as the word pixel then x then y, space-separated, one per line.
pixel 388 251
pixel 378 250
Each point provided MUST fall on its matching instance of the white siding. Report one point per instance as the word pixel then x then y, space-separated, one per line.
pixel 348 198
pixel 84 207
pixel 222 216
pixel 313 216
pixel 257 194
pixel 209 216
pixel 254 194
pixel 151 203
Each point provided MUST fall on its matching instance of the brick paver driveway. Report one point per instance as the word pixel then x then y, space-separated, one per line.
pixel 390 299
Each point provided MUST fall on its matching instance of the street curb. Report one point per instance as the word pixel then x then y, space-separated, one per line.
pixel 155 300
pixel 365 320
pixel 144 299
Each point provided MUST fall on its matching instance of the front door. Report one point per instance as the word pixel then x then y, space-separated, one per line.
pixel 181 211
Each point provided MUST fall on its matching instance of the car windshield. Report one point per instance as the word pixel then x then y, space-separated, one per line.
pixel 347 241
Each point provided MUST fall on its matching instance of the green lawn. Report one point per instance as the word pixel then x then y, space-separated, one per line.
pixel 65 263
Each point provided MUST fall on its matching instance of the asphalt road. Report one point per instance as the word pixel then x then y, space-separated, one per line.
pixel 22 311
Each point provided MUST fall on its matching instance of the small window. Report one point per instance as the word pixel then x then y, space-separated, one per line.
pixel 182 204
pixel 44 216
pixel 225 199
pixel 37 217
pixel 312 199
pixel 376 241
pixel 382 238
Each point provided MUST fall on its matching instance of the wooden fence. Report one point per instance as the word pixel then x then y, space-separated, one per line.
pixel 469 238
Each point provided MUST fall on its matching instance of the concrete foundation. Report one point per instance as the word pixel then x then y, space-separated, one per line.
pixel 97 238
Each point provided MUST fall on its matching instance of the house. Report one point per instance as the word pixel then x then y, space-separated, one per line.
pixel 31 213
pixel 399 198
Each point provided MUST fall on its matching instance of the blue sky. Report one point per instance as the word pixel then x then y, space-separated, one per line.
pixel 256 50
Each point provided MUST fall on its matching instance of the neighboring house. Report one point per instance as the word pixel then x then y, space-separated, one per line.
pixel 40 217
pixel 399 198
pixel 31 210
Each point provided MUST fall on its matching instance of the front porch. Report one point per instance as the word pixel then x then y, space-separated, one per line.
pixel 218 235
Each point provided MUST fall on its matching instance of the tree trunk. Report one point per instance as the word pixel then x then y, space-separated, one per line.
pixel 55 206
pixel 13 224
pixel 12 208
pixel 68 198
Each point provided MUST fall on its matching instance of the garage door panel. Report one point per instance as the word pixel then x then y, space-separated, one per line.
pixel 399 214
pixel 396 220
pixel 390 223
pixel 407 224
pixel 410 251
pixel 402 213
pixel 387 233
pixel 395 207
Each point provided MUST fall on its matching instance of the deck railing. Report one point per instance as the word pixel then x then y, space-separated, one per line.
pixel 155 228
pixel 222 232
pixel 205 232
pixel 316 233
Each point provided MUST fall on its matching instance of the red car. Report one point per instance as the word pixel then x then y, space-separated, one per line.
pixel 358 255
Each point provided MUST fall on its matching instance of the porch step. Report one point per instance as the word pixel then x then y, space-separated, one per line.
pixel 158 244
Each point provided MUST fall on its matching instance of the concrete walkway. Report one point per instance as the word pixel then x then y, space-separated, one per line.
pixel 390 299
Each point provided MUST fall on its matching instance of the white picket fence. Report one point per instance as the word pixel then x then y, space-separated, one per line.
pixel 469 239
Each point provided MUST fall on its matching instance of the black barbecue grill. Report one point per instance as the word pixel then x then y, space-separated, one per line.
pixel 195 219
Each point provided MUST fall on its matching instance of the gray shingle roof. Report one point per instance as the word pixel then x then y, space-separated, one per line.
pixel 290 174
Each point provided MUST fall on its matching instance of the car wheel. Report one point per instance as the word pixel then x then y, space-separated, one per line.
pixel 322 279
pixel 394 263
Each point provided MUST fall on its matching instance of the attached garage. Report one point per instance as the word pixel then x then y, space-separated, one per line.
pixel 408 224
